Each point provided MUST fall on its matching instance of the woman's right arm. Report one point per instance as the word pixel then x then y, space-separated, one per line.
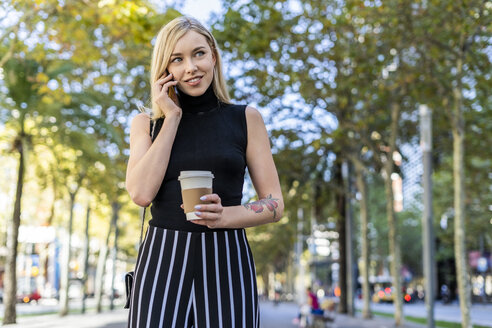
pixel 148 161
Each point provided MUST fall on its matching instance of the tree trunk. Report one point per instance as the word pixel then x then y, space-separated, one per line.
pixel 101 268
pixel 300 286
pixel 100 271
pixel 349 239
pixel 52 210
pixel 290 274
pixel 394 243
pixel 10 297
pixel 342 273
pixel 65 281
pixel 458 126
pixel 49 222
pixel 86 258
pixel 116 208
pixel 364 221
pixel 264 277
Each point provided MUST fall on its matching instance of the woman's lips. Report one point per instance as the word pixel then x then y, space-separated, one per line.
pixel 194 81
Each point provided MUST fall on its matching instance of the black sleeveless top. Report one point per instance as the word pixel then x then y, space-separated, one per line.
pixel 211 136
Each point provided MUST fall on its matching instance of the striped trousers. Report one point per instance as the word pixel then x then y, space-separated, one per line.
pixel 194 279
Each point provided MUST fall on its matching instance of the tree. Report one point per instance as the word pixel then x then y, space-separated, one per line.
pixel 338 58
pixel 299 168
pixel 19 75
pixel 462 66
pixel 364 223
pixel 102 46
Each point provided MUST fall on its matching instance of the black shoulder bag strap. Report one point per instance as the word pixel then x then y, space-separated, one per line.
pixel 152 130
pixel 129 275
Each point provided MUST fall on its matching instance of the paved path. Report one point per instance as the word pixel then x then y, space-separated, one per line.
pixel 281 316
pixel 284 316
pixel 114 319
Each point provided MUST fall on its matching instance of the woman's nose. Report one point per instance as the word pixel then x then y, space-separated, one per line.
pixel 190 66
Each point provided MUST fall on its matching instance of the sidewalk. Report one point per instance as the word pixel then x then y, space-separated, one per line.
pixel 114 319
pixel 281 316
pixel 117 319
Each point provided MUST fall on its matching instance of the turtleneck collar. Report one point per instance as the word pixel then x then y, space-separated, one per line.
pixel 200 104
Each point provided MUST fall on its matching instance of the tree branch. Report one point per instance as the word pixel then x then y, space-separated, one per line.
pixel 9 52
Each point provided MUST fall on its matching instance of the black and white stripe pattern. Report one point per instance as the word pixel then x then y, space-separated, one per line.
pixel 194 279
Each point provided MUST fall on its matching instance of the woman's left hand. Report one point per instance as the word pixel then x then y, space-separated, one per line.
pixel 210 214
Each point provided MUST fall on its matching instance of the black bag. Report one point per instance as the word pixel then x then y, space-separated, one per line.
pixel 128 287
pixel 129 275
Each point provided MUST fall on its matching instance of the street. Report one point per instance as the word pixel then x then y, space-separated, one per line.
pixel 282 315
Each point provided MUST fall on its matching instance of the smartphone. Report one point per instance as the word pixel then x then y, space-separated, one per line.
pixel 172 92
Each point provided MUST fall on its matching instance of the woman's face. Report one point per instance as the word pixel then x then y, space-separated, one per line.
pixel 192 64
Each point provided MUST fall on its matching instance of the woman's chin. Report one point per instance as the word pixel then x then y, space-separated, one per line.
pixel 194 91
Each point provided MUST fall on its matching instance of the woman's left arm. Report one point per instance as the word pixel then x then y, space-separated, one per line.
pixel 263 173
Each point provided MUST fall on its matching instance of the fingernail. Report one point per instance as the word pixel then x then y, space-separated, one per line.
pixel 198 213
pixel 203 198
pixel 198 207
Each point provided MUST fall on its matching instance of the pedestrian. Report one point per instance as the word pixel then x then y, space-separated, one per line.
pixel 313 302
pixel 197 273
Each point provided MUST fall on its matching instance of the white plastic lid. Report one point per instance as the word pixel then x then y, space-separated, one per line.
pixel 195 174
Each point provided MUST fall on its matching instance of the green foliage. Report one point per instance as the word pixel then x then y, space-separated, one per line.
pixel 419 320
pixel 351 61
pixel 327 71
pixel 268 244
pixel 73 92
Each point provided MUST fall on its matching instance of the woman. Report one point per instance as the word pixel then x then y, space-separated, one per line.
pixel 197 273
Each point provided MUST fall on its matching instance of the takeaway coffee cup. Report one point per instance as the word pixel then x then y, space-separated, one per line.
pixel 194 184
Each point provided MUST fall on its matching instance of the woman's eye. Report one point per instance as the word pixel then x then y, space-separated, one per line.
pixel 176 60
pixel 200 53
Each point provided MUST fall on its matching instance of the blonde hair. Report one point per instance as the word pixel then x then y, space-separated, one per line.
pixel 165 42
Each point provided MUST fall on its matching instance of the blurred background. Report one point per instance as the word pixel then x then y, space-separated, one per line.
pixel 380 117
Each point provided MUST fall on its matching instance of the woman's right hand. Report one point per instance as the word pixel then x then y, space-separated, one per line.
pixel 160 96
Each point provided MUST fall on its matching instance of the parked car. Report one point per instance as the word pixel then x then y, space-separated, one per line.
pixel 28 297
pixel 385 294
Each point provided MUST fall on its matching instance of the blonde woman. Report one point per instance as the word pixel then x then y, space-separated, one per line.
pixel 197 273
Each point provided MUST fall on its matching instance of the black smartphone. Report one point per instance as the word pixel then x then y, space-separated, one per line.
pixel 172 92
